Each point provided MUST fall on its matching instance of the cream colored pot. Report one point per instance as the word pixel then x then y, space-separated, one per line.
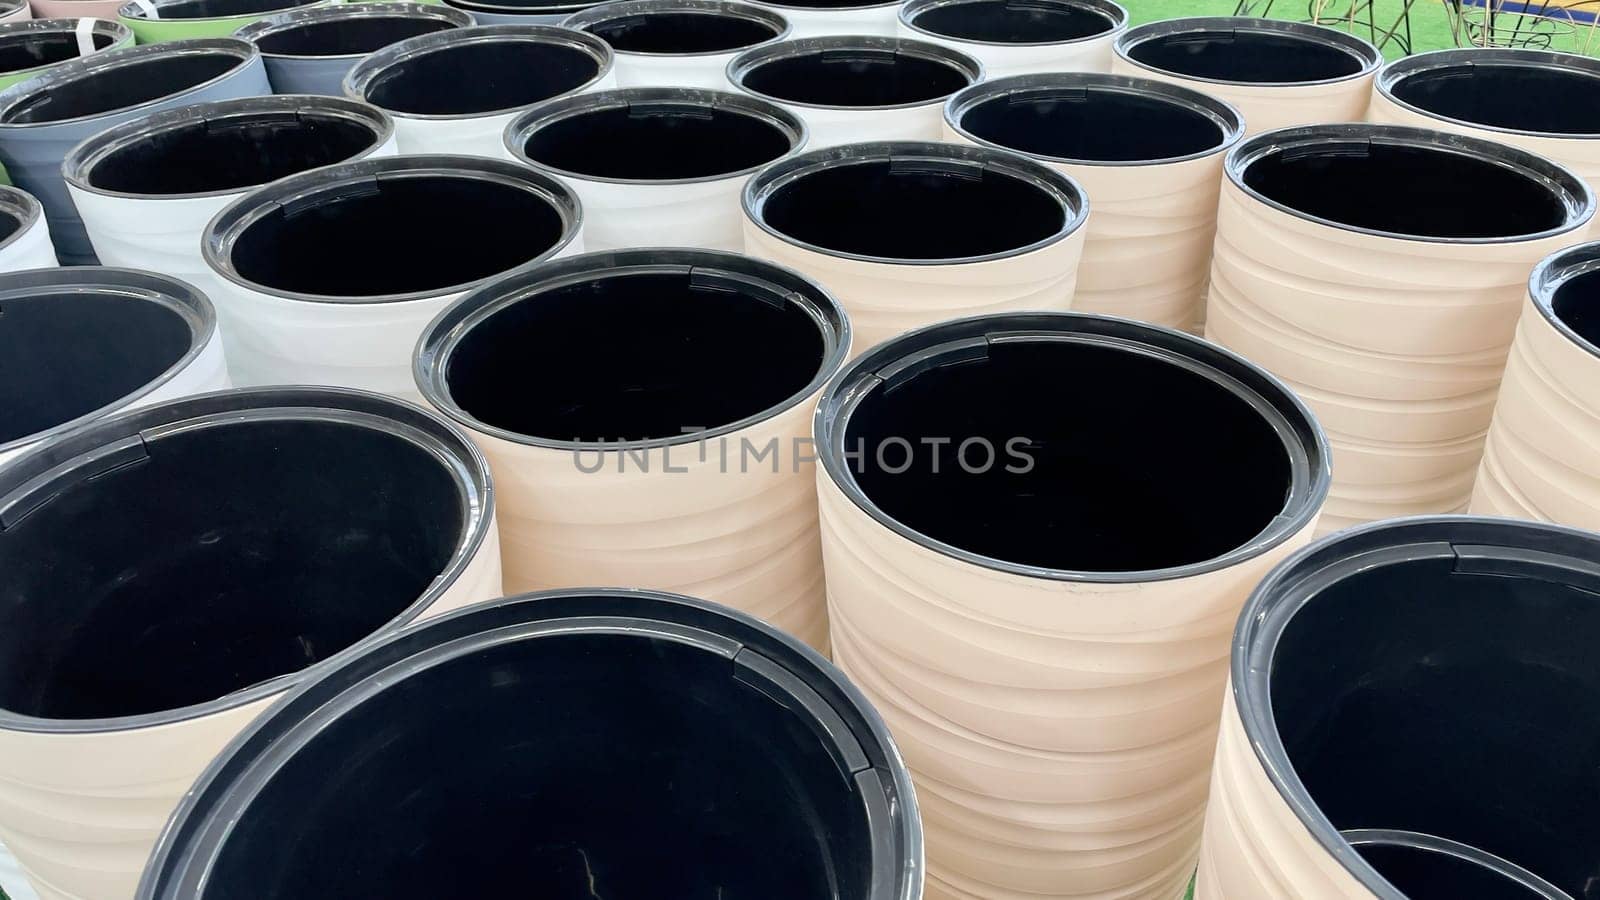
pixel 1150 155
pixel 679 43
pixel 1038 596
pixel 1277 73
pixel 1011 38
pixel 908 233
pixel 168 573
pixel 668 445
pixel 1380 271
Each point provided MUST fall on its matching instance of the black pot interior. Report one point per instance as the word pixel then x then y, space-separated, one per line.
pixel 663 354
pixel 658 142
pixel 1409 190
pixel 609 765
pixel 855 77
pixel 1577 304
pixel 231 153
pixel 230 555
pixel 10 224
pixel 1014 21
pixel 1097 125
pixel 1082 475
pixel 681 31
pixel 349 36
pixel 29 50
pixel 215 9
pixel 1424 696
pixel 111 88
pixel 1247 56
pixel 908 209
pixel 390 237
pixel 1521 97
pixel 1426 874
pixel 831 4
pixel 482 77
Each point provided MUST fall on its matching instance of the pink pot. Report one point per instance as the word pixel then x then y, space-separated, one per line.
pixel 76 9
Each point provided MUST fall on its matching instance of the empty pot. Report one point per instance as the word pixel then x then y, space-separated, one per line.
pixel 679 43
pixel 154 21
pixel 24 236
pixel 850 88
pixel 44 117
pixel 656 165
pixel 330 276
pixel 455 91
pixel 73 9
pixel 30 47
pixel 83 342
pixel 1150 155
pixel 908 233
pixel 681 460
pixel 1015 37
pixel 520 12
pixel 169 572
pixel 1380 270
pixel 1430 678
pixel 310 51
pixel 819 18
pixel 147 188
pixel 1277 73
pixel 1037 599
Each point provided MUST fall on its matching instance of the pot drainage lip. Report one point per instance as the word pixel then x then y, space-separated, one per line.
pixel 1357 48
pixel 604 13
pixel 1116 16
pixel 839 44
pixel 303 17
pixel 1492 57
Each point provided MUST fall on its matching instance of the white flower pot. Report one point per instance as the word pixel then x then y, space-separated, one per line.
pixel 24 234
pixel 679 43
pixel 1017 38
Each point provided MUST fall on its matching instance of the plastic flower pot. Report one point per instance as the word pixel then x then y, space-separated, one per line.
pixel 681 459
pixel 1532 99
pixel 147 188
pixel 1427 677
pixel 74 9
pixel 14 11
pixel 34 46
pixel 679 43
pixel 906 234
pixel 680 749
pixel 170 572
pixel 310 51
pixel 1277 73
pixel 819 18
pixel 656 165
pixel 154 21
pixel 330 276
pixel 520 12
pixel 1051 664
pixel 83 342
pixel 24 236
pixel 44 117
pixel 455 91
pixel 1380 270
pixel 1016 37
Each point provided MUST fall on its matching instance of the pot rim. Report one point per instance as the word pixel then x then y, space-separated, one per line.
pixel 733 9
pixel 517 131
pixel 1471 57
pixel 301 17
pixel 1221 113
pixel 120 35
pixel 362 74
pixel 27 210
pixel 1303 439
pixel 223 230
pixel 81 160
pixel 743 64
pixel 8 7
pixel 1363 50
pixel 1574 194
pixel 1553 272
pixel 1432 843
pixel 1490 545
pixel 825 10
pixel 98 63
pixel 555 9
pixel 1059 185
pixel 1109 8
pixel 135 9
pixel 443 335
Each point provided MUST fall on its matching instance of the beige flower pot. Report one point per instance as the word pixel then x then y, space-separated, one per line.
pixel 1277 73
pixel 668 447
pixel 1379 270
pixel 906 233
pixel 1012 38
pixel 1411 716
pixel 1147 152
pixel 166 574
pixel 1037 595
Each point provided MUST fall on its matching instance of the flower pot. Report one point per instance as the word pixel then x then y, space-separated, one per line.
pixel 1380 270
pixel 170 572
pixel 906 234
pixel 1016 37
pixel 455 91
pixel 83 342
pixel 75 9
pixel 24 236
pixel 30 47
pixel 14 11
pixel 656 165
pixel 520 12
pixel 681 460
pixel 680 749
pixel 147 188
pixel 44 117
pixel 310 51
pixel 1150 155
pixel 330 276
pixel 1428 677
pixel 1277 73
pixel 1049 662
pixel 154 21
pixel 819 18
pixel 679 43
